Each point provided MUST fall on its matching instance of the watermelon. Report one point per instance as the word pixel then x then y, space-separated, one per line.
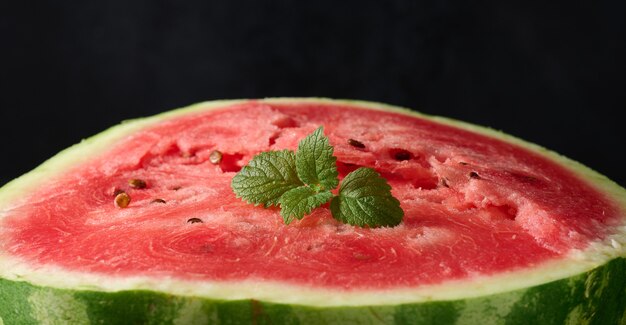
pixel 139 225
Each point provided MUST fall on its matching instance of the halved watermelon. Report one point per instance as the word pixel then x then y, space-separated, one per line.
pixel 496 230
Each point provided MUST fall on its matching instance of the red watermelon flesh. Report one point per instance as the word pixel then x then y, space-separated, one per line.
pixel 474 205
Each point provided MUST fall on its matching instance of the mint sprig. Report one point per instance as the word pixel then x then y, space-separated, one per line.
pixel 365 199
pixel 302 181
pixel 300 201
pixel 267 177
pixel 315 163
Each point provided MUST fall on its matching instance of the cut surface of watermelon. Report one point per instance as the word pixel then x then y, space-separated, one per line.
pixel 485 213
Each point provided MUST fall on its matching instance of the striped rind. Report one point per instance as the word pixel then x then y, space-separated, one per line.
pixel 594 297
pixel 562 291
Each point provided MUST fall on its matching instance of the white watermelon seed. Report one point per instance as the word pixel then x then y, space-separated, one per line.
pixel 215 157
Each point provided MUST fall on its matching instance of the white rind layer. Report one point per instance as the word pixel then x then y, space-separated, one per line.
pixel 578 261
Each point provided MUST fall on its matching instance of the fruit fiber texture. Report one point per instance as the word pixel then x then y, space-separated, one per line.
pixel 496 230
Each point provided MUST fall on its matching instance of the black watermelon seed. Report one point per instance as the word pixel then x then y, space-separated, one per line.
pixel 401 154
pixel 356 143
pixel 137 183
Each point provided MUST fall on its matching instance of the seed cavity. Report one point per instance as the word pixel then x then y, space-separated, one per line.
pixel 118 191
pixel 231 162
pixel 444 182
pixel 195 220
pixel 137 183
pixel 176 188
pixel 285 122
pixel 158 201
pixel 215 157
pixel 356 143
pixel 463 163
pixel 122 200
pixel 273 138
pixel 400 154
pixel 474 175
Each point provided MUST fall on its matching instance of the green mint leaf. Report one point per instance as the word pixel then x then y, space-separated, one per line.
pixel 267 177
pixel 279 177
pixel 300 201
pixel 315 163
pixel 365 199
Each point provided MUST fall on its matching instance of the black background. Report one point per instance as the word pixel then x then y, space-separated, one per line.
pixel 548 73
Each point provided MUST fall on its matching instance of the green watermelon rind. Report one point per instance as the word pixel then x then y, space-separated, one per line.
pixel 594 297
pixel 587 286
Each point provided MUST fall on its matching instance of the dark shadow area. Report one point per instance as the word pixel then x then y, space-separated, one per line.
pixel 547 73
